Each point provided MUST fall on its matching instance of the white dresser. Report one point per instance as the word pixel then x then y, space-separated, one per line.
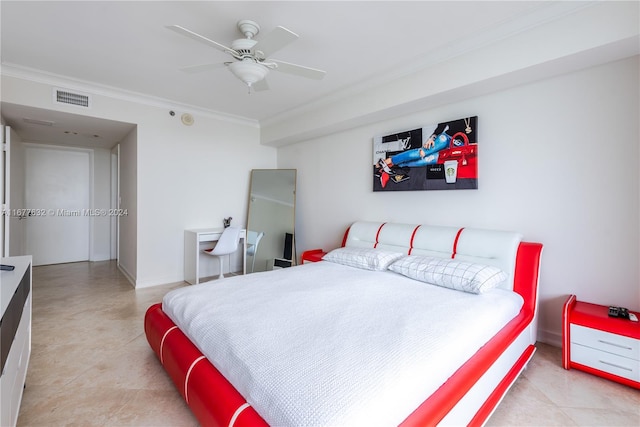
pixel 15 333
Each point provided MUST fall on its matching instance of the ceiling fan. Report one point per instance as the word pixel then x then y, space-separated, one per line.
pixel 251 57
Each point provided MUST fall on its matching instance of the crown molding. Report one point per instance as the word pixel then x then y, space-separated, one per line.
pixel 542 14
pixel 56 80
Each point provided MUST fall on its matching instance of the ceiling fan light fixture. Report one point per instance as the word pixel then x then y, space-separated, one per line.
pixel 248 71
pixel 252 58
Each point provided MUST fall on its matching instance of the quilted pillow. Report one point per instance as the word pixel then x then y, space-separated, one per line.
pixel 449 273
pixel 366 258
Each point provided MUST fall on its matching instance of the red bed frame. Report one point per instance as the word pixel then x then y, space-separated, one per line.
pixel 215 402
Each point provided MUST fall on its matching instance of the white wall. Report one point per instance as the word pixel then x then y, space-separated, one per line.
pixel 190 177
pixel 128 224
pixel 16 225
pixel 558 161
pixel 182 176
pixel 100 249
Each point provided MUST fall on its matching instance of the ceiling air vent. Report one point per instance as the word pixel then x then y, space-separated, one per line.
pixel 62 96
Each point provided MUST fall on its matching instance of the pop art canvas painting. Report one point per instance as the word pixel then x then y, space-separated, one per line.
pixel 433 157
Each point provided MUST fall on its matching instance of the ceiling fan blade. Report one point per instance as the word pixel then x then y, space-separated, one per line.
pixel 298 70
pixel 195 36
pixel 203 67
pixel 260 85
pixel 274 41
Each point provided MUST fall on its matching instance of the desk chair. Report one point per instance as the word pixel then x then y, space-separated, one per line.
pixel 227 244
pixel 253 239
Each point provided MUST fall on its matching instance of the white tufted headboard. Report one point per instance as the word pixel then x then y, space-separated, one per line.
pixel 490 247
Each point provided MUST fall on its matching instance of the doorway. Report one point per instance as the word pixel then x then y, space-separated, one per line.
pixel 101 139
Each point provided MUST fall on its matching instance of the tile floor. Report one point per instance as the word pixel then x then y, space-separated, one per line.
pixel 91 365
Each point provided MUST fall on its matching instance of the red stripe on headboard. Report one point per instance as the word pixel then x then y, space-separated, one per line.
pixel 455 243
pixel 344 238
pixel 415 230
pixel 378 234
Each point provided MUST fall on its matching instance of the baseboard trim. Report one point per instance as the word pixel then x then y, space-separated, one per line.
pixel 126 274
pixel 549 337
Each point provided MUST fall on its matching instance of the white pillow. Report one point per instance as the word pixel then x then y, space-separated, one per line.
pixel 449 273
pixel 366 258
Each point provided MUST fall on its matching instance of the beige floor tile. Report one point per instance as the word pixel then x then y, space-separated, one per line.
pixel 525 405
pixel 603 417
pixel 153 408
pixel 69 406
pixel 577 389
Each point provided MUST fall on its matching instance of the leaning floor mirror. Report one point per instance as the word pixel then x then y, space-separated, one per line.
pixel 271 220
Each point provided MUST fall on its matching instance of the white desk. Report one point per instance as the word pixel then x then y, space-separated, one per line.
pixel 192 250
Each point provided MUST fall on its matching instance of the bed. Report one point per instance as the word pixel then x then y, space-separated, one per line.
pixel 404 324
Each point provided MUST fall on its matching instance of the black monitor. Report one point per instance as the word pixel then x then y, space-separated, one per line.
pixel 288 246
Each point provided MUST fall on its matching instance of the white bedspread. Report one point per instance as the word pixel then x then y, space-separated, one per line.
pixel 323 344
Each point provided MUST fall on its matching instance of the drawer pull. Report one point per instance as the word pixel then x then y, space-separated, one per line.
pixel 615 345
pixel 615 366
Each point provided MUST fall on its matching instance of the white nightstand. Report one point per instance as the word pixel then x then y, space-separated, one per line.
pixel 601 345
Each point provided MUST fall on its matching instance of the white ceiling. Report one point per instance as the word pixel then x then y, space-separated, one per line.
pixel 125 45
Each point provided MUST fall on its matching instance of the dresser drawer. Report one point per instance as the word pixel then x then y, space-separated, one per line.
pixel 605 341
pixel 606 362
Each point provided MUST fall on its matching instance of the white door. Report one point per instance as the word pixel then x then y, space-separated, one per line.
pixel 57 194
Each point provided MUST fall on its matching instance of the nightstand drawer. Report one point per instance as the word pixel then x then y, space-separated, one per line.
pixel 607 362
pixel 605 341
